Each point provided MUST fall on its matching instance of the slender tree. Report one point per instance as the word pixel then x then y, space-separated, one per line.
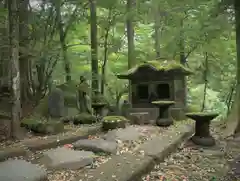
pixel 23 50
pixel 130 38
pixel 62 39
pixel 94 45
pixel 14 62
pixel 157 28
pixel 237 24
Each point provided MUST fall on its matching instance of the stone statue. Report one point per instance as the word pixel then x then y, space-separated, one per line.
pixel 83 100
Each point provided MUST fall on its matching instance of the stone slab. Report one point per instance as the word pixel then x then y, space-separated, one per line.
pixel 126 134
pixel 160 147
pixel 129 167
pixel 64 158
pixel 96 145
pixel 125 167
pixel 54 141
pixel 20 170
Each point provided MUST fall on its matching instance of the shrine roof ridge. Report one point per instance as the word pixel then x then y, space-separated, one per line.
pixel 159 66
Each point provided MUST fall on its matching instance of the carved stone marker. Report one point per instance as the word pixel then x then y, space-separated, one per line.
pixel 56 103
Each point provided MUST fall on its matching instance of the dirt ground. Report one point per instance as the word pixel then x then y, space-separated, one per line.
pixel 195 163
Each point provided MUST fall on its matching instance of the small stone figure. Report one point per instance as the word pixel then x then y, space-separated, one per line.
pixel 83 100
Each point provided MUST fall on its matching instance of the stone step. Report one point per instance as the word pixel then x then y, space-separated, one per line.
pixel 21 170
pixel 64 158
pixel 125 167
pixel 130 167
pixel 96 145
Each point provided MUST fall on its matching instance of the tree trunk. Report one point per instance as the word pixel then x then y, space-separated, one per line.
pixel 94 46
pixel 231 94
pixel 130 37
pixel 62 39
pixel 23 54
pixel 157 30
pixel 205 80
pixel 237 23
pixel 14 59
pixel 4 72
pixel 104 61
pixel 183 62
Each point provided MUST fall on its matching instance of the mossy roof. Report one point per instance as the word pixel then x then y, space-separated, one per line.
pixel 167 66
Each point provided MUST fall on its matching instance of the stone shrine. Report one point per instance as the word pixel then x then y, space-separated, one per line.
pixel 155 81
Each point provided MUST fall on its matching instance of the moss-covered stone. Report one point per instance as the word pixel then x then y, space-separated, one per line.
pixel 83 118
pixel 161 66
pixel 114 119
pixel 202 116
pixel 114 122
pixel 163 102
pixel 43 126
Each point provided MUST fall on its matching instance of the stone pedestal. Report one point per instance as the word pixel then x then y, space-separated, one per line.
pixel 202 134
pixel 163 119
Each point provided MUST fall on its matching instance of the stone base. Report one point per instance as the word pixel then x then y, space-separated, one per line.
pixel 203 141
pixel 164 122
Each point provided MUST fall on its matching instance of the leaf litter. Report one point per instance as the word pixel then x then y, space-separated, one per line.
pixel 194 163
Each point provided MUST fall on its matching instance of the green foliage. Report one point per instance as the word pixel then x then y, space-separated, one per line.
pixel 200 24
pixel 99 100
pixel 212 102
